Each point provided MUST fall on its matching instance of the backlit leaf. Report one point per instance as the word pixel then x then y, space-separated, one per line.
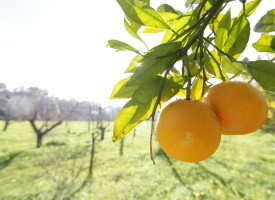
pixel 197 89
pixel 263 72
pixel 143 14
pixel 133 64
pixel 250 7
pixel 132 29
pixel 238 37
pixel 122 91
pixel 152 30
pixel 169 16
pixel 266 43
pixel 222 30
pixel 178 25
pixel 155 62
pixel 140 107
pixel 121 46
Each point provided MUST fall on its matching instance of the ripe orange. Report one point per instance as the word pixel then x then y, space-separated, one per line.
pixel 188 130
pixel 240 107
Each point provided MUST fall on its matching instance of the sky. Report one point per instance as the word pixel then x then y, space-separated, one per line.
pixel 60 46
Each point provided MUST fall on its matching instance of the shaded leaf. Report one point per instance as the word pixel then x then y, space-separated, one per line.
pixel 191 2
pixel 267 22
pixel 143 14
pixel 121 46
pixel 238 37
pixel 263 72
pixel 266 43
pixel 140 107
pixel 231 67
pixel 166 8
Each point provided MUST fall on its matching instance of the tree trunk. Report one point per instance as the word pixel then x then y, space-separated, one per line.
pixel 39 140
pixel 92 155
pixel 7 123
pixel 102 133
pixel 121 146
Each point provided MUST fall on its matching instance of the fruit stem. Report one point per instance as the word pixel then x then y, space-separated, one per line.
pixel 156 105
pixel 189 82
pixel 218 64
pixel 202 65
pixel 206 20
pixel 221 51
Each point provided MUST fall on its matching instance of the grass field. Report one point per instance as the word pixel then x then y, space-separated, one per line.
pixel 242 168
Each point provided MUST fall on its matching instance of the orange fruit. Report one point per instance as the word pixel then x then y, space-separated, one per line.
pixel 188 130
pixel 240 107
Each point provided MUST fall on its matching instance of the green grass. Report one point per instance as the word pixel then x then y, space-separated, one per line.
pixel 242 168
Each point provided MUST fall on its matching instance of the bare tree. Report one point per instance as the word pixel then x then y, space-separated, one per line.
pixel 52 114
pixel 5 113
pixel 100 122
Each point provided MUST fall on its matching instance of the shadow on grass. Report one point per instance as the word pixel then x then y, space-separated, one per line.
pixel 86 181
pixel 5 162
pixel 213 174
pixel 223 182
pixel 174 170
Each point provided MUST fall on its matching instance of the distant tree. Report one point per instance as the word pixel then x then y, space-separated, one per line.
pixel 52 114
pixel 101 115
pixel 5 114
pixel 94 139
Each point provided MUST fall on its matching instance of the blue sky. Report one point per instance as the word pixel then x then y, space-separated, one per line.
pixel 60 46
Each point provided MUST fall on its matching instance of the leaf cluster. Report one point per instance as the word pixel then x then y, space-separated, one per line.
pixel 199 45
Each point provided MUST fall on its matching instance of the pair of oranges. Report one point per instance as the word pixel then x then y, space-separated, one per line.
pixel 190 130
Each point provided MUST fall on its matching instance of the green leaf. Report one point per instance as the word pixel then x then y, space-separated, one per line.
pixel 152 30
pixel 169 16
pixel 238 37
pixel 121 46
pixel 141 106
pixel 122 91
pixel 211 66
pixel 145 1
pixel 133 64
pixel 231 67
pixel 143 14
pixel 132 29
pixel 266 43
pixel 166 8
pixel 267 22
pixel 178 25
pixel 222 30
pixel 191 2
pixel 197 89
pixel 250 7
pixel 263 72
pixel 155 62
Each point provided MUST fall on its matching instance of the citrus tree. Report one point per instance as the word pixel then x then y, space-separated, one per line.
pixel 199 46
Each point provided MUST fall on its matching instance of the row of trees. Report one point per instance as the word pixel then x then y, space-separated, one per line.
pixel 46 112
